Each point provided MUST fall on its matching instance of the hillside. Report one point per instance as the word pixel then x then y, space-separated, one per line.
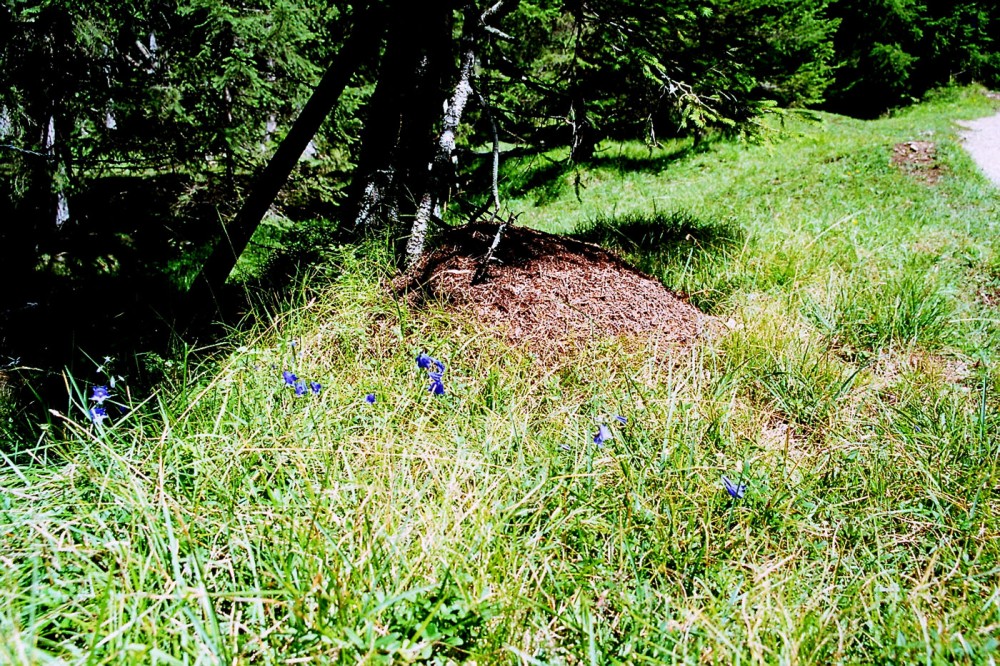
pixel 814 478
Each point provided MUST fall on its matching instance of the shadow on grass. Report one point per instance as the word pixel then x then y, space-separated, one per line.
pixel 112 283
pixel 690 255
pixel 532 172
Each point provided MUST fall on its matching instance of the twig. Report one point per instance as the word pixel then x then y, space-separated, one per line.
pixel 26 151
pixel 495 187
pixel 485 263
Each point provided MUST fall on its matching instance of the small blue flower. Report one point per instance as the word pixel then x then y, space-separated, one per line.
pixel 438 364
pixel 315 387
pixel 437 386
pixel 602 435
pixel 100 394
pixel 98 414
pixel 423 361
pixel 370 398
pixel 735 490
pixel 289 377
pixel 300 388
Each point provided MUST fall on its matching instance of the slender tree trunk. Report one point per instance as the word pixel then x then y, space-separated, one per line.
pixel 583 141
pixel 58 175
pixel 401 112
pixel 442 166
pixel 363 42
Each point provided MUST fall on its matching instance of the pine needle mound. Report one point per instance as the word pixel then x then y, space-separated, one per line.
pixel 550 292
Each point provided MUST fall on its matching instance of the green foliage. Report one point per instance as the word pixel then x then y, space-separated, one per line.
pixel 890 52
pixel 627 69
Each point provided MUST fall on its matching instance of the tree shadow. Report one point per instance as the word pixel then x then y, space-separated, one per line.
pixel 690 255
pixel 113 283
pixel 530 172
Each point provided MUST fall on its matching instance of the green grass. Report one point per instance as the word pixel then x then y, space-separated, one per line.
pixel 852 384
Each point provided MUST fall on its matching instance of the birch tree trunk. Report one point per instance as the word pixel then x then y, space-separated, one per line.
pixel 401 113
pixel 59 175
pixel 474 28
pixel 441 166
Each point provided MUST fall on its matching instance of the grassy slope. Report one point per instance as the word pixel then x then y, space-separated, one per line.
pixel 855 392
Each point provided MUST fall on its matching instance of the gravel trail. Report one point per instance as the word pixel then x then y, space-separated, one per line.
pixel 982 140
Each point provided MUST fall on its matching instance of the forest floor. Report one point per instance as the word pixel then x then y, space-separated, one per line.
pixel 568 463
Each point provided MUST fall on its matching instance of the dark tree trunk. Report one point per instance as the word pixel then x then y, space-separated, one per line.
pixel 208 284
pixel 441 169
pixel 583 141
pixel 401 113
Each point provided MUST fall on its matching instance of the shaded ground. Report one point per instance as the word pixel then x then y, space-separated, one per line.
pixel 550 292
pixel 112 283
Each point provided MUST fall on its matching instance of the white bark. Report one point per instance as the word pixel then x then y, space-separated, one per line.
pixel 442 159
pixel 59 176
pixel 6 124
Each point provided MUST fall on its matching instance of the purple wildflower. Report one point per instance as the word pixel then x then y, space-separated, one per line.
pixel 315 387
pixel 98 414
pixel 289 378
pixel 735 490
pixel 100 394
pixel 300 388
pixel 602 435
pixel 621 419
pixel 370 398
pixel 437 386
pixel 423 361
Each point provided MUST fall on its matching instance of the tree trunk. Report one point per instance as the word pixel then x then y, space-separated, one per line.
pixel 442 167
pixel 364 40
pixel 58 175
pixel 401 112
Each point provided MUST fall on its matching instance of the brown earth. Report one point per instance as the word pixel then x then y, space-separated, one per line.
pixel 918 158
pixel 550 292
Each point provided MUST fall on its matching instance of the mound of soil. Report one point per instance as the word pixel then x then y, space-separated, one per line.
pixel 918 158
pixel 548 291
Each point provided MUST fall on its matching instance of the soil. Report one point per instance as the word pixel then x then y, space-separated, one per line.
pixel 550 292
pixel 918 158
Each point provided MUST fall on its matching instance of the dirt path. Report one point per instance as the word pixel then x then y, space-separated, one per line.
pixel 982 140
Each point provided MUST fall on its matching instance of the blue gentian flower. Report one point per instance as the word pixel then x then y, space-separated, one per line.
pixel 602 435
pixel 370 398
pixel 621 419
pixel 100 394
pixel 98 414
pixel 300 388
pixel 437 386
pixel 289 377
pixel 438 364
pixel 315 387
pixel 423 361
pixel 735 490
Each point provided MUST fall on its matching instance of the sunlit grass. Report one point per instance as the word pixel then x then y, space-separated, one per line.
pixel 851 383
